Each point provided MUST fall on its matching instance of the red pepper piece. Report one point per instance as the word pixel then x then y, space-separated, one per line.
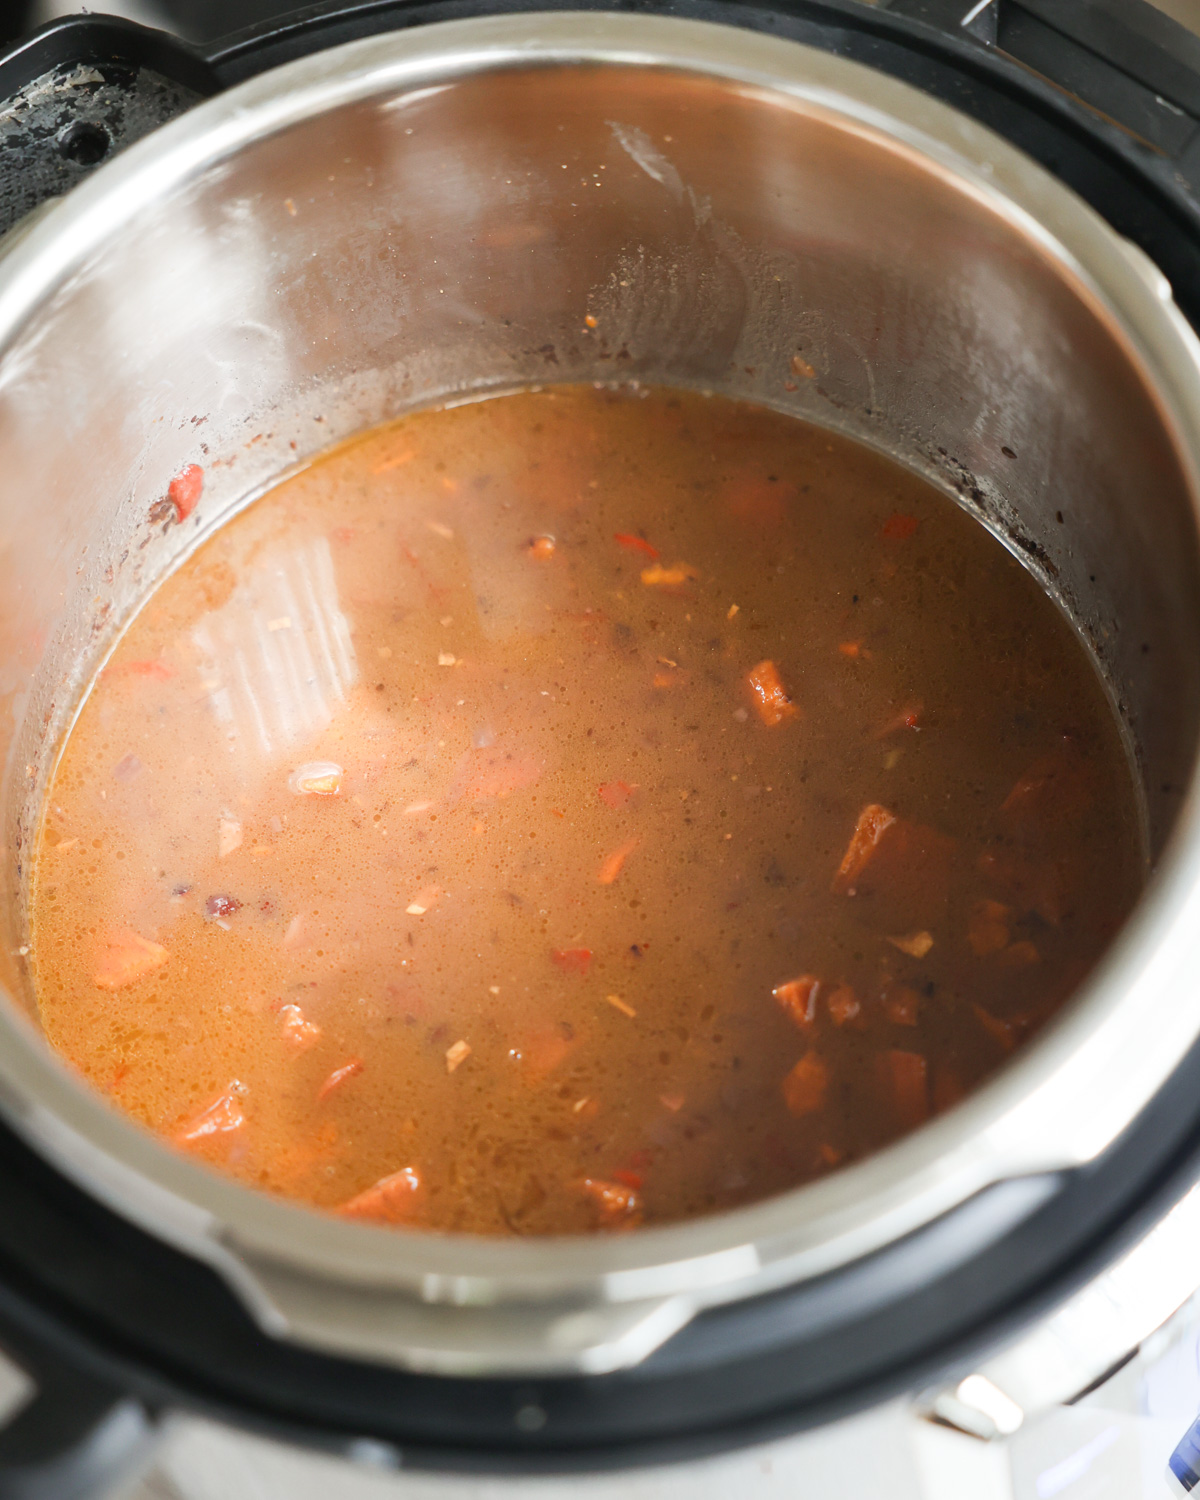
pixel 636 544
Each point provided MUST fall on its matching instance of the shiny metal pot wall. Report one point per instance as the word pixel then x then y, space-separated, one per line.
pixel 443 213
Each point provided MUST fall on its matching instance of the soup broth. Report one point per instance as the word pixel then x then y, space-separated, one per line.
pixel 576 809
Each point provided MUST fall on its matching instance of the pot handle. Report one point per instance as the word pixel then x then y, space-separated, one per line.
pixel 66 1433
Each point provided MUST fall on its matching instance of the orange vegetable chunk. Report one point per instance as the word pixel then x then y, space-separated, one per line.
pixel 798 998
pixel 770 699
pixel 615 862
pixel 636 544
pixel 339 1076
pixel 395 1199
pixel 542 548
pixel 843 1006
pixel 898 528
pixel 124 957
pixel 618 1205
pixel 301 1033
pixel 220 1117
pixel 902 871
pixel 907 1073
pixel 988 929
pixel 805 1087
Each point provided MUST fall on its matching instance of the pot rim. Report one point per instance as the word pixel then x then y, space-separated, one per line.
pixel 1057 1104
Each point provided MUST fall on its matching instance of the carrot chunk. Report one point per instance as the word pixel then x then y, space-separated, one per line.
pixel 798 997
pixel 124 957
pixel 843 1006
pixel 901 869
pixel 184 490
pixel 301 1033
pixel 340 1076
pixel 220 1117
pixel 618 1205
pixel 805 1087
pixel 629 1179
pixel 907 1073
pixel 987 931
pixel 541 548
pixel 898 527
pixel 636 544
pixel 873 822
pixel 615 862
pixel 902 1005
pixel 772 701
pixel 395 1199
pixel 1056 789
pixel 572 960
pixel 916 944
pixel 616 794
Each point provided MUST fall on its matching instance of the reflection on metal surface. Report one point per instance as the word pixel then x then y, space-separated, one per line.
pixel 277 659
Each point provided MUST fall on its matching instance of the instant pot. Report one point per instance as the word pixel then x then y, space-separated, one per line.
pixel 967 234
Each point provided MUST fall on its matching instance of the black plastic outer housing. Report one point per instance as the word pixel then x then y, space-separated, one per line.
pixel 86 1297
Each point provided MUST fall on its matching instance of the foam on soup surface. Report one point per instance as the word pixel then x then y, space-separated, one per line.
pixel 574 810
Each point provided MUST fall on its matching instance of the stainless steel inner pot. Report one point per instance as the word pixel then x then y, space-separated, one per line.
pixel 432 215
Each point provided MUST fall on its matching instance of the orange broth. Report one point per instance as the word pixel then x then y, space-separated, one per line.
pixel 577 809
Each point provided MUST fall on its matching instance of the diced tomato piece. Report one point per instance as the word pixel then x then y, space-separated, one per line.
pixel 301 1033
pixel 636 544
pixel 629 1179
pixel 124 956
pixel 902 870
pixel 988 931
pixel 619 1206
pixel 340 1076
pixel 616 794
pixel 220 1117
pixel 902 1005
pixel 805 1087
pixel 396 1199
pixel 843 1006
pixel 798 997
pixel 572 960
pixel 873 822
pixel 907 1074
pixel 483 774
pixel 184 490
pixel 772 701
pixel 898 527
pixel 615 862
pixel 852 649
